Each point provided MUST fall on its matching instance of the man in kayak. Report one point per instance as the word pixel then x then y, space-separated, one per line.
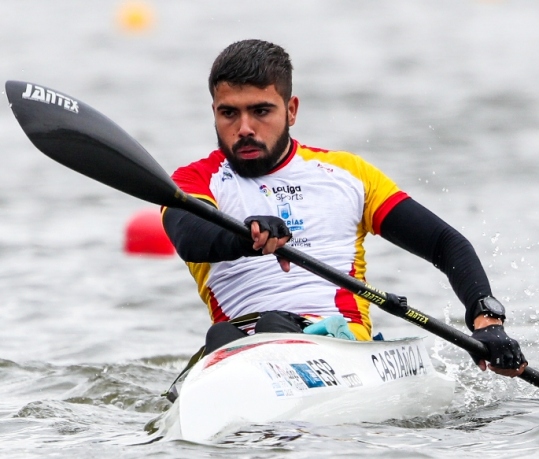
pixel 323 202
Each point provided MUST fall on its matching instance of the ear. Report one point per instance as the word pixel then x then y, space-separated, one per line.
pixel 292 108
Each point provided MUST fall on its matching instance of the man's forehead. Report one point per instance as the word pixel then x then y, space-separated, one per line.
pixel 228 91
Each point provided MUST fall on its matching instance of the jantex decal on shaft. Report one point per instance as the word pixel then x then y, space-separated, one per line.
pixel 416 317
pixel 47 96
pixel 399 363
pixel 374 295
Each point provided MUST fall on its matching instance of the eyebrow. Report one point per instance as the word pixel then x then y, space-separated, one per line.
pixel 249 107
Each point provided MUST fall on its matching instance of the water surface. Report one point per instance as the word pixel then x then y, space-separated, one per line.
pixel 442 96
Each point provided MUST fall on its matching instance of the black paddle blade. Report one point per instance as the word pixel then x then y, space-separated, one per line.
pixel 79 137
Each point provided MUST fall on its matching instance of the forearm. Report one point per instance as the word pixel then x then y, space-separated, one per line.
pixel 197 240
pixel 414 228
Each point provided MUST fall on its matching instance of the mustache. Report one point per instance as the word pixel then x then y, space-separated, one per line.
pixel 248 142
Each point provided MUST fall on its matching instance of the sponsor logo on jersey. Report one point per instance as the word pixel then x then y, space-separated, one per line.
pixel 323 166
pixel 287 193
pixel 285 212
pixel 288 197
pixel 289 189
pixel 227 175
pixel 39 94
pixel 264 189
pixel 299 242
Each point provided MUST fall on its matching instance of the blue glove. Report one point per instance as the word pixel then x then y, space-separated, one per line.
pixel 331 326
pixel 504 351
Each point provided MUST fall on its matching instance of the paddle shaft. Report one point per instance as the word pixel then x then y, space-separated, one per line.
pixel 375 296
pixel 81 138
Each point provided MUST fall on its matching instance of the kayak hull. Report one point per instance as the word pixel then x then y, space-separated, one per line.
pixel 274 377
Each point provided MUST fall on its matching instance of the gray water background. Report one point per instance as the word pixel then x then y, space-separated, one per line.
pixel 441 95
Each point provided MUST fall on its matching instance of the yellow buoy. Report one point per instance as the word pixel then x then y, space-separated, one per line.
pixel 135 16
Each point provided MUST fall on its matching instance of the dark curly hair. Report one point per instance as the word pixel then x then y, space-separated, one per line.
pixel 253 62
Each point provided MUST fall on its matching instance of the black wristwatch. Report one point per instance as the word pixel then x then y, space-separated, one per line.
pixel 490 306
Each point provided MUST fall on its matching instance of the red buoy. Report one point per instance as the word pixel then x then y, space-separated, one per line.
pixel 144 234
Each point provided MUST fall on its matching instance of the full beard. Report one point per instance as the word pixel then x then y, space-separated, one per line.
pixel 250 168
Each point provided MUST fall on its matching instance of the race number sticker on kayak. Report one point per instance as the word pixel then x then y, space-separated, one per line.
pixel 293 378
pixel 324 370
pixel 308 375
pixel 286 381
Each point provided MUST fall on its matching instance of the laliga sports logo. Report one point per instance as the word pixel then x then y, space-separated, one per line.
pixel 39 94
pixel 264 189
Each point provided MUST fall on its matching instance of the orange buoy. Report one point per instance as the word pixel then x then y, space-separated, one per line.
pixel 135 16
pixel 144 234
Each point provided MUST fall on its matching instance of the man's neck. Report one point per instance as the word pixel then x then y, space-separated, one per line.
pixel 286 153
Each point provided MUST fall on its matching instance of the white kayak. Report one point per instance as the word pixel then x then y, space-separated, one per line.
pixel 272 377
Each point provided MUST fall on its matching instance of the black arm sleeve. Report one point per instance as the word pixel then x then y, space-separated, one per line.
pixel 199 241
pixel 414 228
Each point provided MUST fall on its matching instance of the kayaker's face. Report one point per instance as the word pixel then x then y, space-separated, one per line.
pixel 252 126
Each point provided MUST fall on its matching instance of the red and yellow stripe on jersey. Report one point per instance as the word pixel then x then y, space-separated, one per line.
pixel 329 200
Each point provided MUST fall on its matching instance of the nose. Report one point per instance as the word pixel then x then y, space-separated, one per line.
pixel 246 126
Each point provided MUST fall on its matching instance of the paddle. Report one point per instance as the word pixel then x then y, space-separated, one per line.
pixel 79 137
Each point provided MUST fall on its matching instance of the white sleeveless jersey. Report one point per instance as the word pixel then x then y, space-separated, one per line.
pixel 329 200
